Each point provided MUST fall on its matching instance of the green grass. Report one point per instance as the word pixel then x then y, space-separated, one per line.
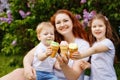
pixel 9 63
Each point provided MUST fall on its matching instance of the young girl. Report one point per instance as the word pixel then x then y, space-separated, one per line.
pixel 102 50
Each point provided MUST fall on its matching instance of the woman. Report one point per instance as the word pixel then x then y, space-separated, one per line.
pixel 68 28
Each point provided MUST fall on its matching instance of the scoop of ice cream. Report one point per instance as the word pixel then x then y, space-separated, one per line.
pixel 54 46
pixel 73 46
pixel 49 41
pixel 64 48
pixel 53 43
pixel 63 43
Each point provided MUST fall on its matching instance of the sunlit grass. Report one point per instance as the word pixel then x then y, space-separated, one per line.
pixel 8 63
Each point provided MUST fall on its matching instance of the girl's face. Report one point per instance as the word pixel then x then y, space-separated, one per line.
pixel 63 24
pixel 47 34
pixel 98 29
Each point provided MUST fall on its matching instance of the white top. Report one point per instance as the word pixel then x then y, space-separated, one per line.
pixel 47 64
pixel 82 46
pixel 102 63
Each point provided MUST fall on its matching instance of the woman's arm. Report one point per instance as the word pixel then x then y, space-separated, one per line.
pixel 28 59
pixel 29 71
pixel 71 73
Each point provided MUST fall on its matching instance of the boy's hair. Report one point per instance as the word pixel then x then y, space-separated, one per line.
pixel 43 25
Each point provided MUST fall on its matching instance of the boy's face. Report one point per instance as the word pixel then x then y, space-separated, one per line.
pixel 47 34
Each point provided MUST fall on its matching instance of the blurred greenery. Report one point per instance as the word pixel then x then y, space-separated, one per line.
pixel 9 63
pixel 18 37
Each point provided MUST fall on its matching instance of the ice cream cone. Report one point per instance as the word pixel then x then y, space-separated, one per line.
pixel 72 48
pixel 54 46
pixel 63 48
pixel 49 41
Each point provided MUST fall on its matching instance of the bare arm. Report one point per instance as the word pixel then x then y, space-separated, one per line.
pixel 90 51
pixel 43 55
pixel 29 71
pixel 27 61
pixel 71 73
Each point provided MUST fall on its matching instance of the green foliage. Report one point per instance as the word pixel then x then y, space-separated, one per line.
pixel 22 30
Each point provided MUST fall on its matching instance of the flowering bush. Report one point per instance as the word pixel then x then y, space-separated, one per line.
pixel 18 20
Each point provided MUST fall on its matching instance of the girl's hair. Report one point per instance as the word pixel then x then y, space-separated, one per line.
pixel 43 25
pixel 109 31
pixel 77 30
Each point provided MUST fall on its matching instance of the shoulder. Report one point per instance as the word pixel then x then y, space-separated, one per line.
pixel 40 46
pixel 107 42
pixel 82 44
pixel 81 41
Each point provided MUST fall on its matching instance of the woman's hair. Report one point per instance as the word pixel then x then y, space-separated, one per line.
pixel 77 30
pixel 109 31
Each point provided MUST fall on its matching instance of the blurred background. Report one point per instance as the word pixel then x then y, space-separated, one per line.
pixel 19 18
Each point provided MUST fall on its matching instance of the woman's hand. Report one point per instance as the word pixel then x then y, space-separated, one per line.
pixel 30 73
pixel 62 60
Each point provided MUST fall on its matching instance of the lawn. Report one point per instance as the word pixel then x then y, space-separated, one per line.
pixel 7 64
pixel 6 68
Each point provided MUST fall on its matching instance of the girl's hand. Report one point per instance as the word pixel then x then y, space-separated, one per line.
pixel 76 56
pixel 30 73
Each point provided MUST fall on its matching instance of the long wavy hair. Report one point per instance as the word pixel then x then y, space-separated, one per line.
pixel 78 30
pixel 109 31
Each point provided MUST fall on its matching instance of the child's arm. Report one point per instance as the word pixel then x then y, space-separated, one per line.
pixel 42 56
pixel 90 51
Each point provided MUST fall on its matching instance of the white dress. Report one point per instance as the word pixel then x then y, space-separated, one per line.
pixel 82 46
pixel 47 64
pixel 102 63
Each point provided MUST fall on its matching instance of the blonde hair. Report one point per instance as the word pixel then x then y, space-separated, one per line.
pixel 43 25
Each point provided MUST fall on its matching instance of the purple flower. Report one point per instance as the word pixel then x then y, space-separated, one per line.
pixel 87 16
pixel 8 19
pixel 78 16
pixel 83 1
pixel 23 14
pixel 14 42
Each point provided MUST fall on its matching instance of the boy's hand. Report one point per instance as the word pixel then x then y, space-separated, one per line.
pixel 48 51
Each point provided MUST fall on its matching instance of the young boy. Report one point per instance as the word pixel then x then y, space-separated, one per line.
pixel 42 61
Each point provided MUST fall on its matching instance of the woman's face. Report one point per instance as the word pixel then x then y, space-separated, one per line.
pixel 63 24
pixel 98 29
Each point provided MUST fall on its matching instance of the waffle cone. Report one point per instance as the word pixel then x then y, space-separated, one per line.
pixel 72 51
pixel 64 50
pixel 54 51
